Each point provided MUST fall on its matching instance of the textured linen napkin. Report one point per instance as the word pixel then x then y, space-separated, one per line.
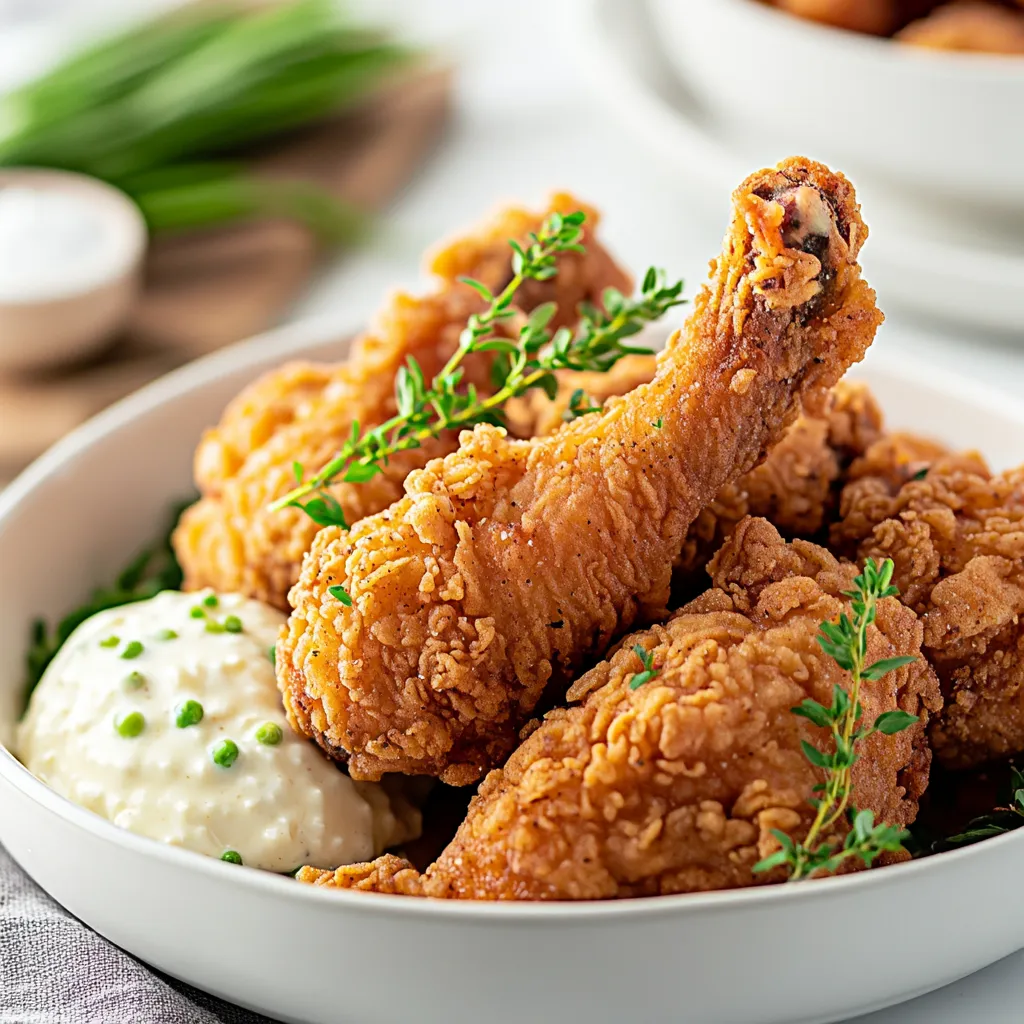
pixel 55 970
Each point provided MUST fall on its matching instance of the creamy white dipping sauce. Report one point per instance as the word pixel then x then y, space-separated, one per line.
pixel 164 717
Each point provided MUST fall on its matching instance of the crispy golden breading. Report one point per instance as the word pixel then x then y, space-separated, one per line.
pixel 676 785
pixel 796 487
pixel 977 27
pixel 303 412
pixel 956 535
pixel 510 562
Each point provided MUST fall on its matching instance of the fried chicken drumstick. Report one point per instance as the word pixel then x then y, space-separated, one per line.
pixel 674 786
pixel 303 412
pixel 509 562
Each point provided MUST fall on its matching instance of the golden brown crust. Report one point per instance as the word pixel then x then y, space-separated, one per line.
pixel 975 27
pixel 956 536
pixel 304 412
pixel 509 562
pixel 676 785
pixel 876 17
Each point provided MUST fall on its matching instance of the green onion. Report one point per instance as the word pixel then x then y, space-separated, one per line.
pixel 196 612
pixel 212 626
pixel 134 681
pixel 132 649
pixel 233 624
pixel 130 725
pixel 225 753
pixel 211 601
pixel 269 734
pixel 166 634
pixel 110 641
pixel 231 856
pixel 189 713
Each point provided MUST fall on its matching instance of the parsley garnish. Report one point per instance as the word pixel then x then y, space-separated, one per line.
pixel 649 669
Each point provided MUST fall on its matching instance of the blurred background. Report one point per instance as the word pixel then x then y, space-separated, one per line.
pixel 294 160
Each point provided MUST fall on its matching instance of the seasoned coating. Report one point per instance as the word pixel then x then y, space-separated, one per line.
pixel 510 562
pixel 674 786
pixel 956 534
pixel 303 412
pixel 975 27
pixel 796 487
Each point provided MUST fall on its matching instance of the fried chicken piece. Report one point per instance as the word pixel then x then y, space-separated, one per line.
pixel 509 562
pixel 956 534
pixel 796 487
pixel 876 17
pixel 303 412
pixel 974 27
pixel 675 786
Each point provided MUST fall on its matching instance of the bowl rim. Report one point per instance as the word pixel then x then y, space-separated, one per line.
pixel 321 330
pixel 880 48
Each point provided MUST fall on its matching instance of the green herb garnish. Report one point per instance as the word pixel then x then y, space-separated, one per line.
pixel 269 734
pixel 151 571
pixel 341 594
pixel 530 361
pixel 134 681
pixel 197 612
pixel 272 654
pixel 845 642
pixel 211 601
pixel 225 753
pixel 110 641
pixel 231 856
pixel 166 634
pixel 189 713
pixel 649 671
pixel 130 725
pixel 132 649
pixel 213 626
pixel 1002 819
pixel 579 405
pixel 233 624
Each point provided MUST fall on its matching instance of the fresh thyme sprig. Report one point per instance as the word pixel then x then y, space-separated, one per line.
pixel 580 403
pixel 529 361
pixel 845 642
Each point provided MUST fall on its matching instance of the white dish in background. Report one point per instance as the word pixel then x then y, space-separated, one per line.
pixel 309 955
pixel 926 120
pixel 921 257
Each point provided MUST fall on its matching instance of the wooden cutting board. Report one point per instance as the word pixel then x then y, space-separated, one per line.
pixel 205 290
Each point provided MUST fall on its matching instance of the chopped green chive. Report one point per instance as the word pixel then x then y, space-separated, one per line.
pixel 132 650
pixel 131 724
pixel 211 601
pixel 134 681
pixel 272 654
pixel 212 626
pixel 189 713
pixel 196 612
pixel 225 753
pixel 166 634
pixel 341 594
pixel 233 624
pixel 269 734
pixel 231 856
pixel 110 641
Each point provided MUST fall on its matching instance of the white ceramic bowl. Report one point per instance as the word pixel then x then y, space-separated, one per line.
pixel 945 123
pixel 765 956
pixel 68 322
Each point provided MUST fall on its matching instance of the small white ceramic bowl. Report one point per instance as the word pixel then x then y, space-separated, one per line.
pixel 947 124
pixel 764 956
pixel 68 321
